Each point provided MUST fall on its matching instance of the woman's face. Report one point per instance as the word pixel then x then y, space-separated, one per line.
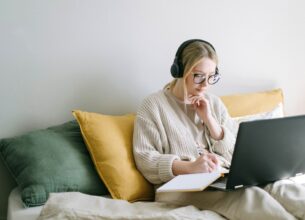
pixel 205 68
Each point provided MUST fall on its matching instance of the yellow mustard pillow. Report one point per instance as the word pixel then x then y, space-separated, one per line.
pixel 252 103
pixel 109 141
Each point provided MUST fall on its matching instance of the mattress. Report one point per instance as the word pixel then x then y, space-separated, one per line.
pixel 16 209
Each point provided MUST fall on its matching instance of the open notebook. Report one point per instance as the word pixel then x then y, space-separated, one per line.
pixel 191 182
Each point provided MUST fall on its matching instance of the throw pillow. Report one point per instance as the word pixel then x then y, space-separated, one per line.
pixel 109 141
pixel 252 103
pixel 50 160
pixel 277 112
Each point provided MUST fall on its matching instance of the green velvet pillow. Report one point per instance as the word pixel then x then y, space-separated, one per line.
pixel 51 160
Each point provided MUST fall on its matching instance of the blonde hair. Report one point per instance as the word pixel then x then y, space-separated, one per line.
pixel 191 55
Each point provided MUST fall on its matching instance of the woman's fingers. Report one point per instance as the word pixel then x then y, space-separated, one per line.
pixel 212 165
pixel 198 101
pixel 208 162
pixel 213 158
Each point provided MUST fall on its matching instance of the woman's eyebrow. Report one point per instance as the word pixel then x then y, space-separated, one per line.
pixel 200 72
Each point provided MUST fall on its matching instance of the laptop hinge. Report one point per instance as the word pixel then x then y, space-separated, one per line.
pixel 238 186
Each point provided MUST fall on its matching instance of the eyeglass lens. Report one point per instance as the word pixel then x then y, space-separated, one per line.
pixel 199 78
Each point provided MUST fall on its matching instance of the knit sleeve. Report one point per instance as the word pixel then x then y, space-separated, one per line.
pixel 225 146
pixel 149 155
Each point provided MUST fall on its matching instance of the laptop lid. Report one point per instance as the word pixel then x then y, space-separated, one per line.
pixel 268 150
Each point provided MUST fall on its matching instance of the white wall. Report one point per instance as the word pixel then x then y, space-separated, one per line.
pixel 107 55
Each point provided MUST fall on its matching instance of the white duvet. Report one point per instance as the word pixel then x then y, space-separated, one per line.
pixel 74 205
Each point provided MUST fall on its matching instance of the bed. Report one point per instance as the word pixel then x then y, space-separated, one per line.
pixel 72 184
pixel 16 209
pixel 75 205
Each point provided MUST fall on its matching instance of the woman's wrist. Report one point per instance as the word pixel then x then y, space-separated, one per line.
pixel 215 129
pixel 181 167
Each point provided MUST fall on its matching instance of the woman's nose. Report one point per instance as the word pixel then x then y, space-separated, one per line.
pixel 204 83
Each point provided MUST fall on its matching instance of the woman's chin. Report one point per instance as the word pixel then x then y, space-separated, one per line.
pixel 199 91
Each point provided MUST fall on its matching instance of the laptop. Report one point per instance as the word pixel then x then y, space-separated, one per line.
pixel 266 151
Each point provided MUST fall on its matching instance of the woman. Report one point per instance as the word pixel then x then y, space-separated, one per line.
pixel 184 129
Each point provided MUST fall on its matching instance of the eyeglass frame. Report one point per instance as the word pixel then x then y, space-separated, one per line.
pixel 204 78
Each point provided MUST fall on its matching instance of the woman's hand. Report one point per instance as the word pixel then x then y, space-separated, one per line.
pixel 205 163
pixel 203 109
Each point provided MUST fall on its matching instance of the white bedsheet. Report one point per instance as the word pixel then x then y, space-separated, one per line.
pixel 74 205
pixel 16 209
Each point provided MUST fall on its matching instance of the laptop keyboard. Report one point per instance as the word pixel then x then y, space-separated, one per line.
pixel 222 180
pixel 220 183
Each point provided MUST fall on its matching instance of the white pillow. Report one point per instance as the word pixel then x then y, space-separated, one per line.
pixel 277 112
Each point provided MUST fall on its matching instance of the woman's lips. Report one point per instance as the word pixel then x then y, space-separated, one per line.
pixel 200 89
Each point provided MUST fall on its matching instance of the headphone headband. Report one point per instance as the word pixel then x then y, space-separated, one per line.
pixel 177 67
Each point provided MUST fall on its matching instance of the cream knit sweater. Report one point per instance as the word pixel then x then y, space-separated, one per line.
pixel 166 130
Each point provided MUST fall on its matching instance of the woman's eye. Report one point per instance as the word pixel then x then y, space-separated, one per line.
pixel 199 75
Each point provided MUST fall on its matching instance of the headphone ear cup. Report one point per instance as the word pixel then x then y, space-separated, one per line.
pixel 175 70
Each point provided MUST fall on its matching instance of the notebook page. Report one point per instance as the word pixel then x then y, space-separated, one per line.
pixel 189 182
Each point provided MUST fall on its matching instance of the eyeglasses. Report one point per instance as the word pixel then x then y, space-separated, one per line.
pixel 200 78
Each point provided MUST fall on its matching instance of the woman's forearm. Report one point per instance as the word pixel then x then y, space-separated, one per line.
pixel 215 129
